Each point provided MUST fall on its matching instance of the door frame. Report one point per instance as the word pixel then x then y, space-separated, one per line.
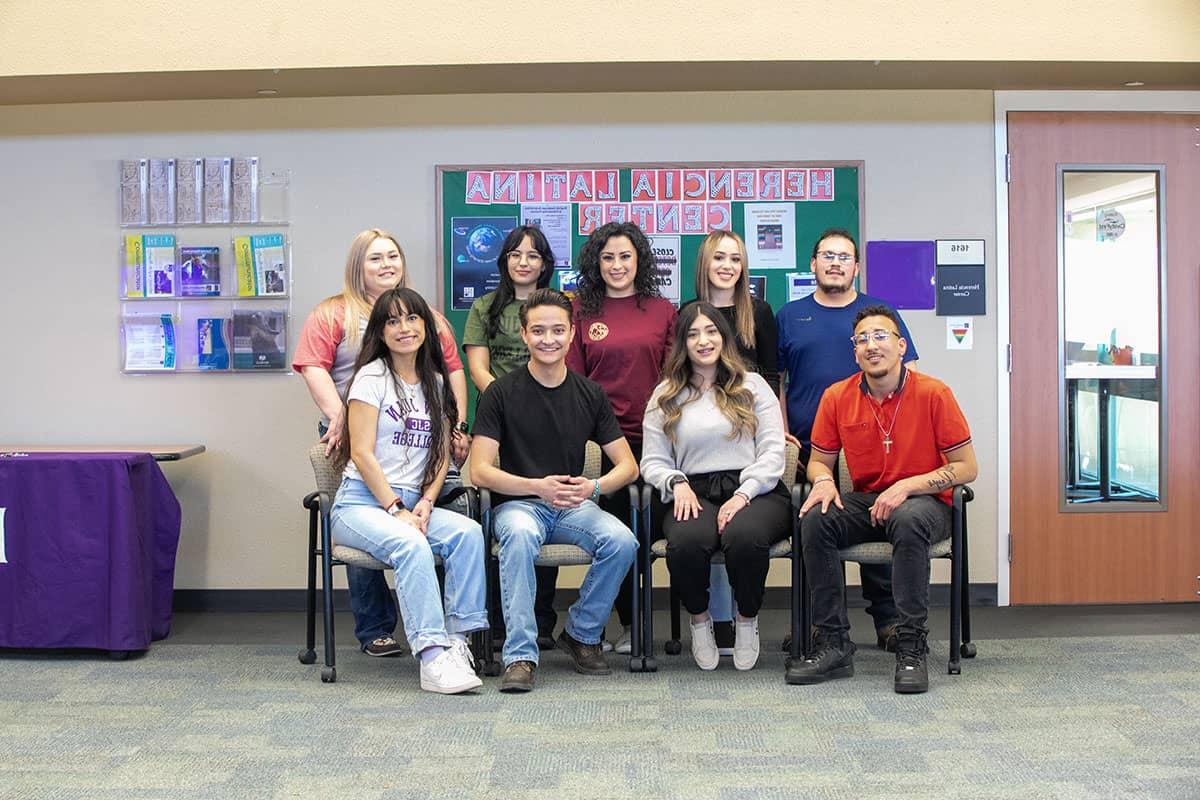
pixel 1004 102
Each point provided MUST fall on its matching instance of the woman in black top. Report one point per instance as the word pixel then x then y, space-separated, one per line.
pixel 722 279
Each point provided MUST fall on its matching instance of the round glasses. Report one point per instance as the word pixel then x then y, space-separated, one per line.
pixel 533 259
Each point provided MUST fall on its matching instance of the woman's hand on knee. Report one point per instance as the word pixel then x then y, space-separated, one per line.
pixel 687 505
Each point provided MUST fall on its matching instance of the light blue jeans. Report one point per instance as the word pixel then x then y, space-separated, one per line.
pixel 359 522
pixel 522 527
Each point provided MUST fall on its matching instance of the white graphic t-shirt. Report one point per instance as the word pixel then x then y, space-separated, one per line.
pixel 402 438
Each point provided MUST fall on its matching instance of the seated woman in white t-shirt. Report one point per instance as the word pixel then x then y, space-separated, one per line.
pixel 400 413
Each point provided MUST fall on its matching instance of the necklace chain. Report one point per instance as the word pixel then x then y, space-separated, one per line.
pixel 887 434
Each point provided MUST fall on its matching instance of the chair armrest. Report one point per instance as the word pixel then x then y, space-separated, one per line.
pixel 312 501
pixel 962 495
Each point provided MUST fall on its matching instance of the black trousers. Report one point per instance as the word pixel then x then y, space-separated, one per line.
pixel 746 542
pixel 876 578
pixel 917 523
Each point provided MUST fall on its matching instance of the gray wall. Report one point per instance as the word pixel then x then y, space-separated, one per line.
pixel 359 162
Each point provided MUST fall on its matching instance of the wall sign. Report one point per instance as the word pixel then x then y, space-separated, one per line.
pixel 961 278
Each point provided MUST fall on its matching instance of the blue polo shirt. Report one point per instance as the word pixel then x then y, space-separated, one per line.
pixel 815 349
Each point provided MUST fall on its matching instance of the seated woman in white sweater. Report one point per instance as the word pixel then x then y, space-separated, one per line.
pixel 713 445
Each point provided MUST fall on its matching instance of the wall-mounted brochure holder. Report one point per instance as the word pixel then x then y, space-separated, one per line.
pixel 219 336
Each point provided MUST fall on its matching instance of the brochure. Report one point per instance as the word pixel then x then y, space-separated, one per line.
pixel 135 184
pixel 158 256
pixel 212 351
pixel 149 343
pixel 199 271
pixel 259 339
pixel 261 265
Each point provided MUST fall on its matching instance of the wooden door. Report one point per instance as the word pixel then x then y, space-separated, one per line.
pixel 1071 555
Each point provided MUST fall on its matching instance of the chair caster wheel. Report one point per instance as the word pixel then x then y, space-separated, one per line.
pixel 673 647
pixel 329 675
pixel 307 656
pixel 650 664
pixel 967 649
pixel 954 669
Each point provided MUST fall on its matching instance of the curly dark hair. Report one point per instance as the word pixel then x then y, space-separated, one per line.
pixel 506 292
pixel 590 291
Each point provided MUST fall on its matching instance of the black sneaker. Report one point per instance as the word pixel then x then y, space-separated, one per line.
pixel 587 657
pixel 885 637
pixel 382 647
pixel 832 657
pixel 545 641
pixel 912 673
pixel 518 677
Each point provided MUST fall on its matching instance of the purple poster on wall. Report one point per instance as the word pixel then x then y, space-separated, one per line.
pixel 902 273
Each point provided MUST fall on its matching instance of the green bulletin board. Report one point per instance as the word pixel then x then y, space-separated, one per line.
pixel 478 205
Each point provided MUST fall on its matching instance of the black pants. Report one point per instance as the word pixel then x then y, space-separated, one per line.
pixel 876 578
pixel 746 542
pixel 617 504
pixel 917 523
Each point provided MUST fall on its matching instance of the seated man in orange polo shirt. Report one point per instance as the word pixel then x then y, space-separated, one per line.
pixel 906 445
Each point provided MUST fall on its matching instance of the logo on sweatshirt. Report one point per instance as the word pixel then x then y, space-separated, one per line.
pixel 598 331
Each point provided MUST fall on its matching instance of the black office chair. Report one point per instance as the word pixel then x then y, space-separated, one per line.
pixel 333 555
pixel 654 548
pixel 562 555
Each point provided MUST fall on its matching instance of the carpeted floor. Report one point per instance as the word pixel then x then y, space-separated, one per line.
pixel 1034 717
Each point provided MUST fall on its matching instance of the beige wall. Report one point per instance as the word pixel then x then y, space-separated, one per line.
pixel 38 37
pixel 370 161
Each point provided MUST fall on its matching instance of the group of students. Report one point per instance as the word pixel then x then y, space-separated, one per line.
pixel 697 397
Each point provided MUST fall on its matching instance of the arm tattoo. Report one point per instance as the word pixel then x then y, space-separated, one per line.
pixel 944 478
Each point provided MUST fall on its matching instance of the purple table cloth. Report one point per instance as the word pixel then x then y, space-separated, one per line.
pixel 87 550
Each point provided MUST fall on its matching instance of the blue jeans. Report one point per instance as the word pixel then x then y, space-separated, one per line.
pixel 359 522
pixel 522 527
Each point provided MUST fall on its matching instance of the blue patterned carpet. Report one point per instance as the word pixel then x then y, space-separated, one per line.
pixel 1030 718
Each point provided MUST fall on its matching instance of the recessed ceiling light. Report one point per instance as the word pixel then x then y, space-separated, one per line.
pixel 267 92
pixel 1134 84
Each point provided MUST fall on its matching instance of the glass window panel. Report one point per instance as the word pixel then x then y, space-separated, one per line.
pixel 1111 325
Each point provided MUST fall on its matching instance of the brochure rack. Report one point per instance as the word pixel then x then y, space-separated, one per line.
pixel 203 296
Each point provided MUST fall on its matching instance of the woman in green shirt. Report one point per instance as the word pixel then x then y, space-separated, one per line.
pixel 492 337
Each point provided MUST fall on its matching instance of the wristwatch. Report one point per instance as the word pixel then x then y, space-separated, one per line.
pixel 462 426
pixel 674 480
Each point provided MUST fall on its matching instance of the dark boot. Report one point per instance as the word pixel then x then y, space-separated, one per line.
pixel 912 673
pixel 832 657
pixel 587 657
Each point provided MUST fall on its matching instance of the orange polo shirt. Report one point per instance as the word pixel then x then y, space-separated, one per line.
pixel 922 417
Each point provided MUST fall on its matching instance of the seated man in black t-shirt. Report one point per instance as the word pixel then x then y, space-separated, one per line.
pixel 538 419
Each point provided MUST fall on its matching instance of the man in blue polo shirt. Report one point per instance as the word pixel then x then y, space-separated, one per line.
pixel 814 355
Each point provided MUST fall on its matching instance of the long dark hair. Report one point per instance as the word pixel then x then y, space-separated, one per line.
pixel 506 292
pixel 590 290
pixel 733 397
pixel 439 400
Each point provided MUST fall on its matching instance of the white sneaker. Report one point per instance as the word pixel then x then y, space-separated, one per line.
pixel 745 644
pixel 449 673
pixel 462 651
pixel 605 646
pixel 704 646
pixel 624 644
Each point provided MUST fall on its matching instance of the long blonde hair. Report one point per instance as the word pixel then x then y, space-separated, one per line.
pixel 743 307
pixel 733 397
pixel 354 284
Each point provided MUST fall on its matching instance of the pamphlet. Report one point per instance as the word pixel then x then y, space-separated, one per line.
pixel 199 271
pixel 259 339
pixel 135 184
pixel 261 265
pixel 158 256
pixel 212 350
pixel 149 343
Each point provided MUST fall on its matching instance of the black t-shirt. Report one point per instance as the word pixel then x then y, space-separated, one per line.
pixel 543 431
pixel 763 357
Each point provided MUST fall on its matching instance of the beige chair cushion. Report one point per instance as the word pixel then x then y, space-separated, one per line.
pixel 556 555
pixel 782 549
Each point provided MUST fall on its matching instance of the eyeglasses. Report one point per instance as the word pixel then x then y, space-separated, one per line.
pixel 514 257
pixel 828 257
pixel 879 337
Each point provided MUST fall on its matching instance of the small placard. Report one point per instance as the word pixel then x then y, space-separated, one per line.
pixel 758 286
pixel 801 285
pixel 960 333
pixel 961 291
pixel 960 251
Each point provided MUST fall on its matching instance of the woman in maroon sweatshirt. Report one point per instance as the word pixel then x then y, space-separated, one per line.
pixel 623 331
